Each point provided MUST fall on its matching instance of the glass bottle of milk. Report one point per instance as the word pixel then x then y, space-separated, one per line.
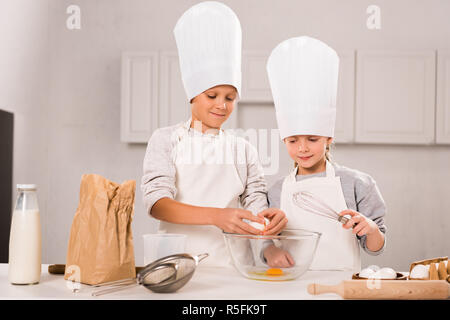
pixel 25 238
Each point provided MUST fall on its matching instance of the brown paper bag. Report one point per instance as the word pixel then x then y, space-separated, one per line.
pixel 101 242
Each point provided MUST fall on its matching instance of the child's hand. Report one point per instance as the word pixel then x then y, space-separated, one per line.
pixel 277 219
pixel 278 258
pixel 231 220
pixel 361 224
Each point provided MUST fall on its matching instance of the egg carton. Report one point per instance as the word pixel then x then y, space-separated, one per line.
pixel 437 269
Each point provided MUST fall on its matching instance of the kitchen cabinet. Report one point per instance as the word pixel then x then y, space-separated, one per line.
pixel 145 105
pixel 139 113
pixel 153 95
pixel 173 104
pixel 443 98
pixel 384 97
pixel 395 97
pixel 345 101
pixel 255 82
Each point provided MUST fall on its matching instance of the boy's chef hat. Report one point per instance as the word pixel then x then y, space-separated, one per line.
pixel 209 39
pixel 303 76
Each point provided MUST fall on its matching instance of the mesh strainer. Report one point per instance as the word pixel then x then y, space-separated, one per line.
pixel 164 275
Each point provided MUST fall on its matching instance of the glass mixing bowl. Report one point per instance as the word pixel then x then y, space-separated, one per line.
pixel 249 253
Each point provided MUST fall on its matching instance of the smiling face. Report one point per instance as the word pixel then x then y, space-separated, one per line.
pixel 308 152
pixel 213 106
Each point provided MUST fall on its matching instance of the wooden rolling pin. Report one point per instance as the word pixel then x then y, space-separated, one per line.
pixel 386 289
pixel 61 268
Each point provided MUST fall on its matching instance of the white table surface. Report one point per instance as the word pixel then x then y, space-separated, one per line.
pixel 207 283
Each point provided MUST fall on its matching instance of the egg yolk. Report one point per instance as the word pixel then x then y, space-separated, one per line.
pixel 274 272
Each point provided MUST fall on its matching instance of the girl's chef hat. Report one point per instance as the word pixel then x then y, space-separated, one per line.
pixel 303 76
pixel 209 38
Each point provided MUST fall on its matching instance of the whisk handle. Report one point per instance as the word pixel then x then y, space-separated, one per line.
pixel 343 219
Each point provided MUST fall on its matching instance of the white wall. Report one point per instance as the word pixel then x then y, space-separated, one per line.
pixel 24 67
pixel 64 86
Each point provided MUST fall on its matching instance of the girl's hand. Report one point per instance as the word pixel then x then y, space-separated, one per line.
pixel 361 224
pixel 277 219
pixel 278 258
pixel 230 220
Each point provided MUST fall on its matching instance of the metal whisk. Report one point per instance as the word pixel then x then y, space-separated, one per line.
pixel 313 204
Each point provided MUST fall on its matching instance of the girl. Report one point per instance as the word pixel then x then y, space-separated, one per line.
pixel 194 175
pixel 303 76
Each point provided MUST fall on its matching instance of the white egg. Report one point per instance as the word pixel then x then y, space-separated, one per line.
pixel 366 273
pixel 385 273
pixel 376 275
pixel 419 272
pixel 260 226
pixel 374 267
pixel 388 273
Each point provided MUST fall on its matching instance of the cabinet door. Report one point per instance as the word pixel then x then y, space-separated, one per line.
pixel 395 97
pixel 345 101
pixel 255 82
pixel 443 98
pixel 139 96
pixel 174 106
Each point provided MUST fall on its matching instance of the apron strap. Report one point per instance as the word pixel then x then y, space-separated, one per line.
pixel 330 172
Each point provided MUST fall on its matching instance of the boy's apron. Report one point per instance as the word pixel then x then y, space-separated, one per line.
pixel 206 176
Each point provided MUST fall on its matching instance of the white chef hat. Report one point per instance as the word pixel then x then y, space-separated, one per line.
pixel 303 76
pixel 209 40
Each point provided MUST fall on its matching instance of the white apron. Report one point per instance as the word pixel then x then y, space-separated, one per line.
pixel 206 176
pixel 338 248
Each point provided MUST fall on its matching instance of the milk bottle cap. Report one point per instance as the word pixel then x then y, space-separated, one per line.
pixel 26 187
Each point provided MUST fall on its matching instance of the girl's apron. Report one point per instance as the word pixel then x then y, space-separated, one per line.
pixel 338 248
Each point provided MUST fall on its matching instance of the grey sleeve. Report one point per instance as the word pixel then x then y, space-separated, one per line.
pixel 370 203
pixel 254 197
pixel 274 195
pixel 158 180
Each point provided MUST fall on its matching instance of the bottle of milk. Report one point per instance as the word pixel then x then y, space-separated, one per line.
pixel 25 238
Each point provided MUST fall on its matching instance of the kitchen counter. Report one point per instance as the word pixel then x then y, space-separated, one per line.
pixel 208 283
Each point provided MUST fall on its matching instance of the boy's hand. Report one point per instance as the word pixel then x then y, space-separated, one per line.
pixel 231 220
pixel 277 219
pixel 361 224
pixel 278 258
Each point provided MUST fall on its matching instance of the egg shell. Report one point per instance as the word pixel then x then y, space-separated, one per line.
pixel 374 267
pixel 366 273
pixel 260 226
pixel 385 273
pixel 376 275
pixel 419 272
